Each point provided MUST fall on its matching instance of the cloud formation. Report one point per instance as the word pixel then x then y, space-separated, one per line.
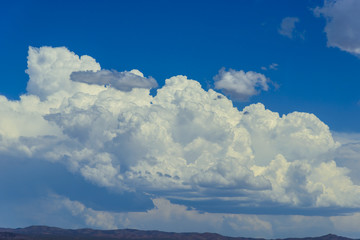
pixel 183 142
pixel 240 85
pixel 287 26
pixel 342 24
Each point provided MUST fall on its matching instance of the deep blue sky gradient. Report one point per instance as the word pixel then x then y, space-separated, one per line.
pixel 193 38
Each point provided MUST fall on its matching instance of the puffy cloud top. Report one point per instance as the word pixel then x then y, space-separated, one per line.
pixel 183 142
pixel 49 70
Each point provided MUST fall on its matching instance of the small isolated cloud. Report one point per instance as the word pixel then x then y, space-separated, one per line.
pixel 240 85
pixel 287 26
pixel 123 81
pixel 342 24
pixel 273 66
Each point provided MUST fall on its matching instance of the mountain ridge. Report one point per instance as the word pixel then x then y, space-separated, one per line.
pixel 55 233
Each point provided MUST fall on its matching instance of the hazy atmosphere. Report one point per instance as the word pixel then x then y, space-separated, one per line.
pixel 234 117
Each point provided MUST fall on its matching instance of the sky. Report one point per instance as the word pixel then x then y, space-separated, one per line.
pixel 234 117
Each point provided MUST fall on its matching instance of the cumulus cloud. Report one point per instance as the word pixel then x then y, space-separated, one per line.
pixel 287 26
pixel 183 142
pixel 342 24
pixel 49 70
pixel 123 81
pixel 240 85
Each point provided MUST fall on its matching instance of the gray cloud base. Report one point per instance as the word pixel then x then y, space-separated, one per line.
pixel 123 81
pixel 342 24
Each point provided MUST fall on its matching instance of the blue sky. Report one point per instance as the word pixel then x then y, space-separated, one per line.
pixel 75 153
pixel 164 39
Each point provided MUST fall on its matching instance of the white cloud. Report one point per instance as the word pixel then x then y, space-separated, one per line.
pixel 123 81
pixel 342 24
pixel 287 26
pixel 240 85
pixel 184 140
pixel 49 70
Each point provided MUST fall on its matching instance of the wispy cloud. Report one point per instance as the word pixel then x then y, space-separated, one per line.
pixel 287 26
pixel 273 66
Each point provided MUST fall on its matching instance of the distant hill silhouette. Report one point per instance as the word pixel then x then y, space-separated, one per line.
pixel 53 233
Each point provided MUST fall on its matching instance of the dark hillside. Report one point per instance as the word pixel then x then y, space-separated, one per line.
pixel 53 233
